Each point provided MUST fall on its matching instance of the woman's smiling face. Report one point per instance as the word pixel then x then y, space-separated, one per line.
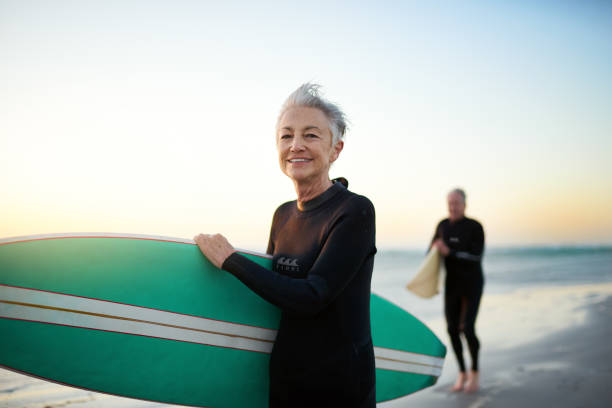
pixel 304 143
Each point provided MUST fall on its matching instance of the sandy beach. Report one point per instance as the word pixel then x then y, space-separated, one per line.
pixel 540 347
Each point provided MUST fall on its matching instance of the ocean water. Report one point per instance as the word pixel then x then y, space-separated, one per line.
pixel 510 268
pixel 505 269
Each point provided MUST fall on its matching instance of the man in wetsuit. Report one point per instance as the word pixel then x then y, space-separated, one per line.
pixel 461 241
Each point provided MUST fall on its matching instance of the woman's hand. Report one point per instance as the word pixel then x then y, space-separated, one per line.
pixel 214 247
pixel 439 243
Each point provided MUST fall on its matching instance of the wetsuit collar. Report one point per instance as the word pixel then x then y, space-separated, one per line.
pixel 457 221
pixel 323 197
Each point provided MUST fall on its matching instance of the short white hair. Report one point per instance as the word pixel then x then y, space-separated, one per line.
pixel 457 191
pixel 308 95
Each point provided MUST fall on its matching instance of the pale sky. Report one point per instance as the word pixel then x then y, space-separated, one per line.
pixel 157 117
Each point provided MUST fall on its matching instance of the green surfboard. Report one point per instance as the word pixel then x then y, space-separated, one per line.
pixel 150 318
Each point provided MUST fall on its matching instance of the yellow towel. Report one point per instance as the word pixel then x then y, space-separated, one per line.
pixel 425 283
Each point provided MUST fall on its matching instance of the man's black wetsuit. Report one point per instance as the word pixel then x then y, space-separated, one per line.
pixel 464 282
pixel 323 256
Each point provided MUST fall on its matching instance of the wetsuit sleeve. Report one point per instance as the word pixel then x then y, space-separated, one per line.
pixel 475 247
pixel 350 240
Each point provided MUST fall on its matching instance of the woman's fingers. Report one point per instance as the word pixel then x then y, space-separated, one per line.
pixel 214 247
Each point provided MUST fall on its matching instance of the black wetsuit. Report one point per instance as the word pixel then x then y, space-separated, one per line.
pixel 323 256
pixel 464 282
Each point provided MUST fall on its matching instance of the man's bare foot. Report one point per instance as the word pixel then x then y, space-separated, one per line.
pixel 472 382
pixel 459 383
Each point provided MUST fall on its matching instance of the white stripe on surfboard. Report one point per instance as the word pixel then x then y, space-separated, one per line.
pixel 398 355
pixel 87 305
pixel 86 321
pixel 39 237
pixel 407 367
pixel 56 308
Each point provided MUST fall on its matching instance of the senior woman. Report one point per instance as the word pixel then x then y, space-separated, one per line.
pixel 323 254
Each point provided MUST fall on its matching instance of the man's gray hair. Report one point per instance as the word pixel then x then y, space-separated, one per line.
pixel 458 191
pixel 307 95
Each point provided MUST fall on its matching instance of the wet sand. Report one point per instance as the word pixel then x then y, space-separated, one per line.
pixel 541 347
